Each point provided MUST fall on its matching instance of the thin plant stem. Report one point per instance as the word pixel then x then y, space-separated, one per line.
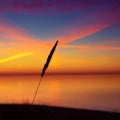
pixel 36 90
pixel 44 68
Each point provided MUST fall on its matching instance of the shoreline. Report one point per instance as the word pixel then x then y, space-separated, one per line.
pixel 44 112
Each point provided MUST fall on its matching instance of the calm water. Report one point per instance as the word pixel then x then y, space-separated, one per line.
pixel 80 91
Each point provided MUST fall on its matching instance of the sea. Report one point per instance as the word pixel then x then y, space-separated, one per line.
pixel 96 92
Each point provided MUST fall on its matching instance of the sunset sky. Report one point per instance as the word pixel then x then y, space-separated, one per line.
pixel 88 32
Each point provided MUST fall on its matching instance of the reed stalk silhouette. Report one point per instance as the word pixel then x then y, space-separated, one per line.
pixel 44 69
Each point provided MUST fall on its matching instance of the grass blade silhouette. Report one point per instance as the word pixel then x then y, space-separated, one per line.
pixel 48 59
pixel 45 68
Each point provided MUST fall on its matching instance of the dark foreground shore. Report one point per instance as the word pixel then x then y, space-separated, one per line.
pixel 37 112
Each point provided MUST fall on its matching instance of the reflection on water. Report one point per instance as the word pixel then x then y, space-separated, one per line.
pixel 79 91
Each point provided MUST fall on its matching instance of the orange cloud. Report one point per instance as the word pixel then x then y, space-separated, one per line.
pixel 87 47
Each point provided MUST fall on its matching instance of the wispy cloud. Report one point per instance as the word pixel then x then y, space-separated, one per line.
pixel 20 38
pixel 88 48
pixel 20 55
pixel 14 33
pixel 89 24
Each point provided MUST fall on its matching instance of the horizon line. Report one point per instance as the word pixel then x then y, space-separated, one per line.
pixel 63 73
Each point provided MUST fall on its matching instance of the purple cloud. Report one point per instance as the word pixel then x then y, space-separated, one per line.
pixel 51 5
